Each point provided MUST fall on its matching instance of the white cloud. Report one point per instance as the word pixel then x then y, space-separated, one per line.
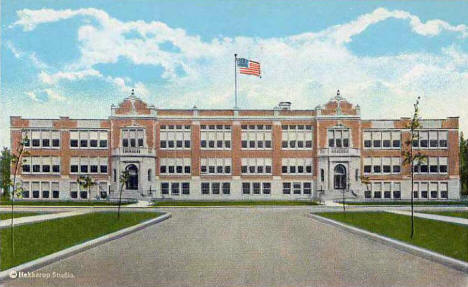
pixel 305 69
pixel 51 79
pixel 54 95
pixel 32 96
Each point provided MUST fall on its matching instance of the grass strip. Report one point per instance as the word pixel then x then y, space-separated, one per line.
pixel 462 214
pixel 7 215
pixel 64 203
pixel 442 237
pixel 36 240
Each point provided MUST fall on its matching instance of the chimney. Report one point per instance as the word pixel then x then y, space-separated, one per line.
pixel 284 105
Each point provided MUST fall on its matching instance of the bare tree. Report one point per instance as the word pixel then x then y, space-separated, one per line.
pixel 16 190
pixel 410 156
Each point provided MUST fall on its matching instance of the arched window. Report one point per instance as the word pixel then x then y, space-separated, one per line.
pixel 340 177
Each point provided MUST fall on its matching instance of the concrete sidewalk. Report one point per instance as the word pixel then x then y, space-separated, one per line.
pixel 39 218
pixel 449 219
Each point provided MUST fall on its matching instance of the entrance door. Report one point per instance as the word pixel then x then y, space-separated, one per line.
pixel 132 182
pixel 340 177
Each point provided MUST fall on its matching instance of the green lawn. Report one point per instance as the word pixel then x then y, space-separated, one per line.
pixel 445 238
pixel 36 240
pixel 65 203
pixel 405 202
pixel 7 215
pixel 462 214
pixel 234 203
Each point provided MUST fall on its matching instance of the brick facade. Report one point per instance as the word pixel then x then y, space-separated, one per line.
pixel 236 154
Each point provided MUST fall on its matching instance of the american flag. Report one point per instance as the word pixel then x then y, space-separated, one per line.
pixel 249 67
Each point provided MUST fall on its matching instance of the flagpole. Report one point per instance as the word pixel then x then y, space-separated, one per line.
pixel 235 82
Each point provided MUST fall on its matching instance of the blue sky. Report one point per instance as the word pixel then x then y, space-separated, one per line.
pixel 78 57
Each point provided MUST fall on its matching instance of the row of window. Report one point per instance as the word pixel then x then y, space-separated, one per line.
pixel 256 127
pixel 256 165
pixel 338 138
pixel 430 139
pixel 297 188
pixel 296 165
pixel 177 127
pixel 296 127
pixel 38 164
pixel 41 138
pixel 46 190
pixel 431 165
pixel 215 166
pixel 378 165
pixel 176 188
pixel 133 137
pixel 384 190
pixel 382 139
pixel 88 139
pixel 88 165
pixel 175 166
pixel 432 190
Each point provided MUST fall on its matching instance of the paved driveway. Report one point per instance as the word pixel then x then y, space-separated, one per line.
pixel 246 247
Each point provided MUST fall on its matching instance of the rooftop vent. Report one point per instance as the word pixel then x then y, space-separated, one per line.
pixel 284 105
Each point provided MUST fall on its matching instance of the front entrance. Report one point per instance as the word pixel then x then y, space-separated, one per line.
pixel 339 178
pixel 132 183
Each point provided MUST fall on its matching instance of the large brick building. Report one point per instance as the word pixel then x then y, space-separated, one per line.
pixel 278 153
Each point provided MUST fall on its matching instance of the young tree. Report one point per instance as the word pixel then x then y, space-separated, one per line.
pixel 86 182
pixel 16 188
pixel 410 156
pixel 463 165
pixel 5 170
pixel 124 176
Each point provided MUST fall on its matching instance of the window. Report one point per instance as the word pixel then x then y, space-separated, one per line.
pixel 175 188
pixel 266 187
pixel 246 187
pixel 185 188
pixel 205 188
pixel 286 188
pixel 396 190
pixel 256 188
pixel 307 188
pixel 215 187
pixel 443 190
pixel 164 188
pixel 377 188
pixel 150 172
pixel 226 188
pixel 322 175
pixel 175 166
pixel 434 190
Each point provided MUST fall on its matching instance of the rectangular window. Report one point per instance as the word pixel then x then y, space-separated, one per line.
pixel 266 188
pixel 205 188
pixel 185 188
pixel 215 187
pixel 297 188
pixel 226 188
pixel 443 139
pixel 164 188
pixel 443 164
pixel 307 188
pixel 175 188
pixel 256 187
pixel 286 188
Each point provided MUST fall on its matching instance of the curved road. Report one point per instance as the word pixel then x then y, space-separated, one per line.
pixel 245 247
